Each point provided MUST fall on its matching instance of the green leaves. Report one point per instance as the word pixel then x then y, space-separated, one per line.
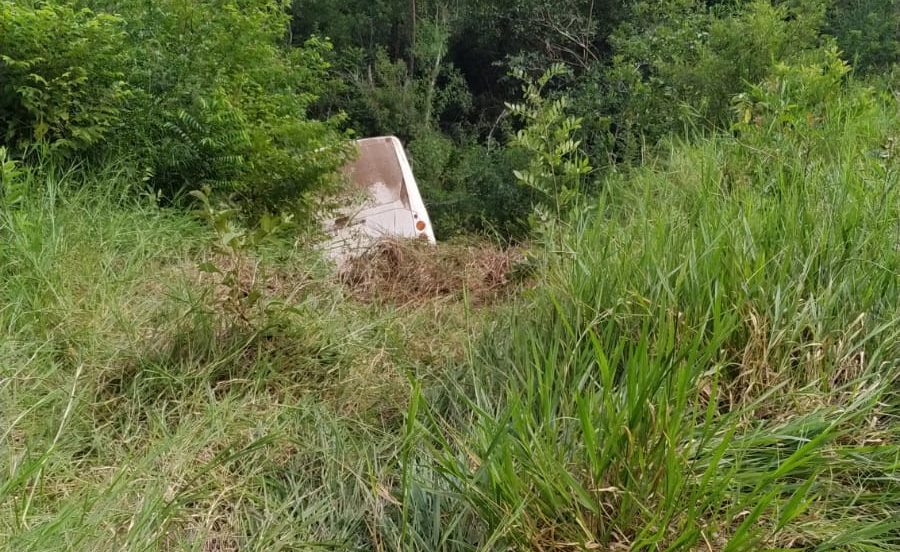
pixel 195 93
pixel 698 369
pixel 795 97
pixel 62 76
pixel 212 141
pixel 235 244
pixel 557 164
pixel 234 111
pixel 677 65
pixel 12 182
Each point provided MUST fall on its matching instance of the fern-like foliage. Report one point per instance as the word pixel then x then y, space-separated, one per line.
pixel 556 164
pixel 207 145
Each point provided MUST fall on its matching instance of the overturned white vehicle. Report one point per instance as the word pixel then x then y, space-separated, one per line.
pixel 386 202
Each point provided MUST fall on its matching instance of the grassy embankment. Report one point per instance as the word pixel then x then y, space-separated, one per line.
pixel 709 361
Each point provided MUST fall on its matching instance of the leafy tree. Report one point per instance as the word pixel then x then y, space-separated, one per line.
pixel 366 24
pixel 247 98
pixel 557 166
pixel 678 63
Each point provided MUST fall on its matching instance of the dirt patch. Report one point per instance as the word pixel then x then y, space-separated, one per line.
pixel 395 271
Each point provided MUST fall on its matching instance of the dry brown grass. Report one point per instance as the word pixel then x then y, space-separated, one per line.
pixel 409 272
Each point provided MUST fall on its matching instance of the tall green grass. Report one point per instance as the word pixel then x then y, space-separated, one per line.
pixel 136 415
pixel 710 363
pixel 709 360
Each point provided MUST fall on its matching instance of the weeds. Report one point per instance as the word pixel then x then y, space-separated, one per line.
pixel 557 166
pixel 134 416
pixel 707 360
pixel 411 273
pixel 242 295
pixel 704 360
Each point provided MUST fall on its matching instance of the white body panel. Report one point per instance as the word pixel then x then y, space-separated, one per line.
pixel 389 203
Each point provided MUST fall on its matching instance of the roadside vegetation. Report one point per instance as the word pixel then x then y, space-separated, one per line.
pixel 664 314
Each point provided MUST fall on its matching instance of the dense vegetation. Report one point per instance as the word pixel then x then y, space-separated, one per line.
pixel 686 335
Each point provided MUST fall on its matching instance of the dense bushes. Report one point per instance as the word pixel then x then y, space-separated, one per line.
pixel 219 100
pixel 61 76
pixel 677 65
pixel 641 71
pixel 193 93
pixel 468 187
pixel 868 32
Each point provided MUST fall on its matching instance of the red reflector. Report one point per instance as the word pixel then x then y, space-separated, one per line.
pixel 420 226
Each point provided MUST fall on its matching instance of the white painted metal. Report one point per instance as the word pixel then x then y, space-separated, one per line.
pixel 389 203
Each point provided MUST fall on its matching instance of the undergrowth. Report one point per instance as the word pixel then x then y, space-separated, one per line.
pixel 138 412
pixel 711 362
pixel 705 359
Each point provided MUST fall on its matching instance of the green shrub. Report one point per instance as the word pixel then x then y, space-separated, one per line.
pixel 206 140
pixel 11 180
pixel 470 187
pixel 796 97
pixel 61 76
pixel 557 167
pixel 194 94
pixel 677 64
pixel 798 117
pixel 220 101
pixel 487 188
pixel 868 31
pixel 386 98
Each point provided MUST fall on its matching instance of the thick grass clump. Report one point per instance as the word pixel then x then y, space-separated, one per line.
pixel 711 362
pixel 137 414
